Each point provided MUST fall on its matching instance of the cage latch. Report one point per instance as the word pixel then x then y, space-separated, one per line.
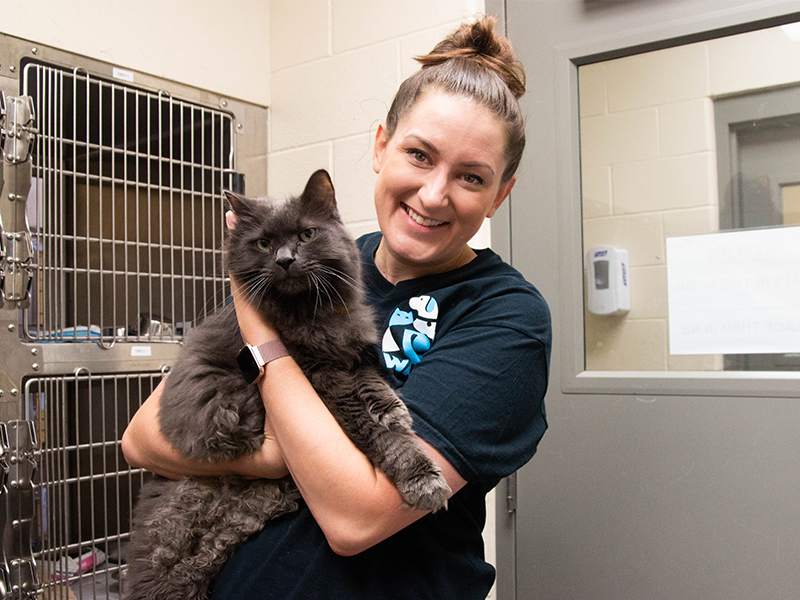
pixel 16 252
pixel 18 459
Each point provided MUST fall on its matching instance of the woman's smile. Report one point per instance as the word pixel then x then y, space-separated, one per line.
pixel 419 219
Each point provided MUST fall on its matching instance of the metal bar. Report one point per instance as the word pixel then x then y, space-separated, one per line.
pixel 173 314
pixel 126 221
pixel 149 213
pixel 193 208
pixel 88 212
pixel 160 215
pixel 62 280
pixel 100 261
pixel 203 210
pixel 108 179
pixel 97 148
pixel 213 212
pixel 183 213
pixel 112 323
pixel 138 190
pixel 74 225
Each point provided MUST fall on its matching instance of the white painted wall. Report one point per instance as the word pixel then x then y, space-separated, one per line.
pixel 219 46
pixel 336 65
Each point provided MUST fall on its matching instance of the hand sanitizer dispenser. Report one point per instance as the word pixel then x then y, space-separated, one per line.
pixel 608 280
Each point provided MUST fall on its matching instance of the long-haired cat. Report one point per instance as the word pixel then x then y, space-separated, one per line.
pixel 297 265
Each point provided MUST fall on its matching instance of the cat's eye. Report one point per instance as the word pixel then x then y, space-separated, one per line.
pixel 262 244
pixel 308 235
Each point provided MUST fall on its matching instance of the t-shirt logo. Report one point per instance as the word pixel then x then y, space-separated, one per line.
pixel 410 334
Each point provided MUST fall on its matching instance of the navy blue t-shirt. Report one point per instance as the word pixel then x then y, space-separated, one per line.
pixel 468 350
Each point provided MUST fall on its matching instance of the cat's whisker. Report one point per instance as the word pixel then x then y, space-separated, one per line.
pixel 344 277
pixel 324 286
pixel 255 288
pixel 312 279
pixel 329 286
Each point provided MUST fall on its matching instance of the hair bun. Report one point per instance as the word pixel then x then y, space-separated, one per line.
pixel 478 41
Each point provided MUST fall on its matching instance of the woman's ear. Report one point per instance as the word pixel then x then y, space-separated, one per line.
pixel 381 140
pixel 502 194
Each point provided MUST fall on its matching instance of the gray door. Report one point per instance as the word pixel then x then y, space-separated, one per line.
pixel 682 484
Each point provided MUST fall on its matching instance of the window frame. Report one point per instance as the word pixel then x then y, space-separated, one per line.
pixel 645 385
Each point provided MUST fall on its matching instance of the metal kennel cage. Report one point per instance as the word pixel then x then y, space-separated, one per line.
pixel 112 223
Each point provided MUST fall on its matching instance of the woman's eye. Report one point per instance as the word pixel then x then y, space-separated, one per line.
pixel 473 179
pixel 308 235
pixel 262 244
pixel 418 155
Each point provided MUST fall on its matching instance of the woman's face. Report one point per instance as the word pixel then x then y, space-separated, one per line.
pixel 439 177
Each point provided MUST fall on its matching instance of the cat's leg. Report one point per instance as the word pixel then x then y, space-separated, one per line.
pixel 153 545
pixel 242 507
pixel 208 414
pixel 384 434
pixel 167 520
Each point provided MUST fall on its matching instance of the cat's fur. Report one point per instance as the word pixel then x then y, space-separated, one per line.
pixel 184 530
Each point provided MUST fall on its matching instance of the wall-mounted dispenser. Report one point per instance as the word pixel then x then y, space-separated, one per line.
pixel 608 280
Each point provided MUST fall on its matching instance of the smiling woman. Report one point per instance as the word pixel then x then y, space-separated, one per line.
pixel 439 177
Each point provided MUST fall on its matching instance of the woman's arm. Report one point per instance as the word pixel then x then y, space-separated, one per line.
pixel 144 446
pixel 355 504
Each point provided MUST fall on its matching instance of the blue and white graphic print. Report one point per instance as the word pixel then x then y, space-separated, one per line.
pixel 410 334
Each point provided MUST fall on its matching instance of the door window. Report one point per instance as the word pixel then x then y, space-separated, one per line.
pixel 665 154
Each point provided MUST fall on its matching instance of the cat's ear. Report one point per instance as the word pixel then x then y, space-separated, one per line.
pixel 239 204
pixel 319 191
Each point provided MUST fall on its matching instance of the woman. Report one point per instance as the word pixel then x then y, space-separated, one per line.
pixel 467 343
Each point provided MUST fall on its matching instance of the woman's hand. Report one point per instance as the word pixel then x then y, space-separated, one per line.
pixel 145 447
pixel 254 329
pixel 265 463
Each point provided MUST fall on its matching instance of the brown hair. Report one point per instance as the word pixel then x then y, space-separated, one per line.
pixel 476 63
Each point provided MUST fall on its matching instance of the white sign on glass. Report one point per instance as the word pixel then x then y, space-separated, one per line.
pixel 736 292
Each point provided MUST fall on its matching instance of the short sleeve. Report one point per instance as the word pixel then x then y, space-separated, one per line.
pixel 478 397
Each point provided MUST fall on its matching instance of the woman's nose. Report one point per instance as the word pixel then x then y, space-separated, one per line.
pixel 434 189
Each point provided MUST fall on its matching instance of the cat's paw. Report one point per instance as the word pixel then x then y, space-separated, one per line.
pixel 426 490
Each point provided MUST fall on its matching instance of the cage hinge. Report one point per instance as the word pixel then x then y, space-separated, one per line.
pixel 18 129
pixel 511 493
pixel 18 459
pixel 16 252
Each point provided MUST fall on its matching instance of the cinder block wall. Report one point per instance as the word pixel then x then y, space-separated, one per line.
pixel 335 66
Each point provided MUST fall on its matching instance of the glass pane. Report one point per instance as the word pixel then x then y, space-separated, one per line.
pixel 694 140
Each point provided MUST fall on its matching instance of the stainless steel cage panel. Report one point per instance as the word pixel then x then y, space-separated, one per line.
pixel 125 216
pixel 125 209
pixel 85 491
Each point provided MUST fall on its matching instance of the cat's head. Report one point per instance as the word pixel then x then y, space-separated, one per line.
pixel 294 250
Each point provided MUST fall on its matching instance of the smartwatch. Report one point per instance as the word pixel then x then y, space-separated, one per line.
pixel 252 359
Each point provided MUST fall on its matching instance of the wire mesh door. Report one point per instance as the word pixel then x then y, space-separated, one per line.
pixel 125 208
pixel 85 490
pixel 126 218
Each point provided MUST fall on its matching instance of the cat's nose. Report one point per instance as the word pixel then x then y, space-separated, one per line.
pixel 285 261
pixel 284 257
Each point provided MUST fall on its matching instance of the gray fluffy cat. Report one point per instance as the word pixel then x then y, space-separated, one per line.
pixel 297 265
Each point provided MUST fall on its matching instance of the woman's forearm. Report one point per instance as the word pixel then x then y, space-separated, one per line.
pixel 354 503
pixel 145 447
